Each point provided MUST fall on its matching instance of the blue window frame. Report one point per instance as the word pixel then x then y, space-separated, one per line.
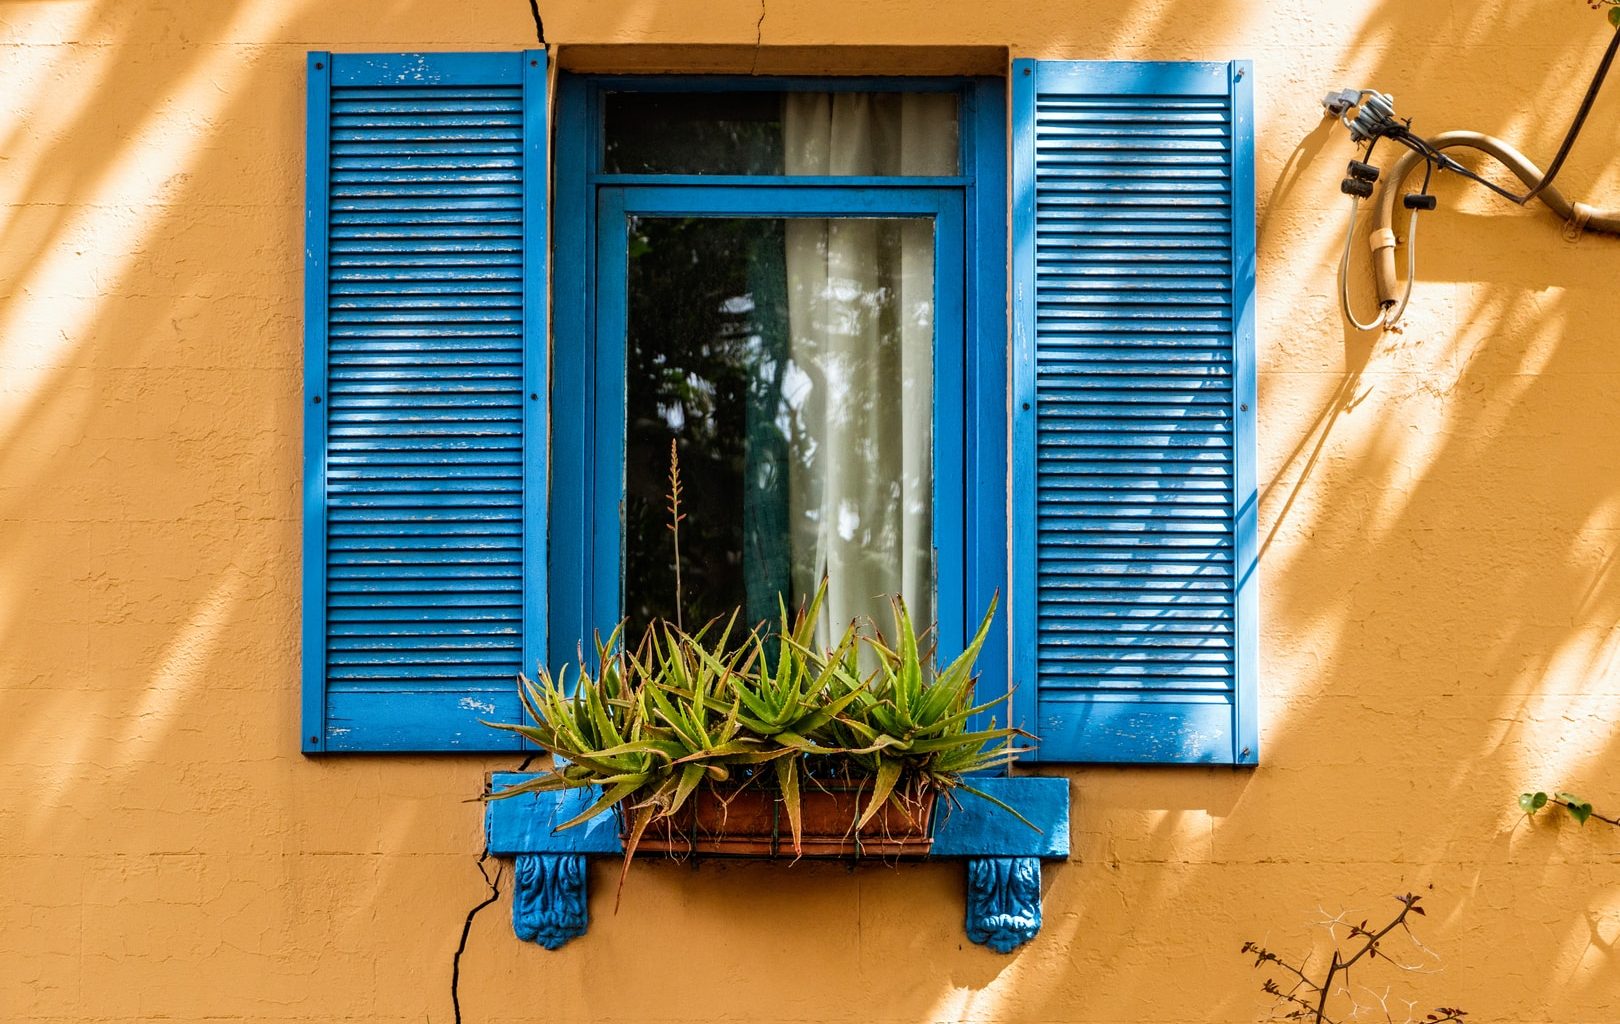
pixel 460 528
pixel 968 210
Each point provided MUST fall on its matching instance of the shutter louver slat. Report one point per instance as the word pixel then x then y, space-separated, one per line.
pixel 426 358
pixel 1132 301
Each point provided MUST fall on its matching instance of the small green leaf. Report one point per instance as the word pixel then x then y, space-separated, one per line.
pixel 1580 811
pixel 1614 17
pixel 1530 803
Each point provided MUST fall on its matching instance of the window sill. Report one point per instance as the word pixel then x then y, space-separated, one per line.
pixel 1003 857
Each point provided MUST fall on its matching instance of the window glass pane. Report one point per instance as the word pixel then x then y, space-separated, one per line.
pixel 846 133
pixel 792 362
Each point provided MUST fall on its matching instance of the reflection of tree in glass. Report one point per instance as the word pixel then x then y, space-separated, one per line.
pixel 791 448
pixel 695 133
pixel 706 310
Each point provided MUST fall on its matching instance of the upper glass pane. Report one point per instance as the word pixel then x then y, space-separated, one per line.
pixel 811 133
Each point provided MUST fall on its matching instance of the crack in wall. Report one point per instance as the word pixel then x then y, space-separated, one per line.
pixel 539 26
pixel 466 929
pixel 493 883
pixel 759 36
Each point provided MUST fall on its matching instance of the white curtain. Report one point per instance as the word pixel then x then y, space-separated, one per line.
pixel 859 386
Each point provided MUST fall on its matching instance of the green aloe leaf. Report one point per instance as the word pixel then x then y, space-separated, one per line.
pixel 961 739
pixel 787 781
pixel 888 773
pixel 879 742
pixel 691 775
pixel 610 796
pixel 547 782
pixel 976 791
pixel 759 756
pixel 648 747
pixel 729 749
pixel 674 718
pixel 534 734
pixel 639 820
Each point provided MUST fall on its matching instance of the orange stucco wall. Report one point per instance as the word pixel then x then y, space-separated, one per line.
pixel 1441 521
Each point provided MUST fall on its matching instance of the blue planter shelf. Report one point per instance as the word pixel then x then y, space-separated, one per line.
pixel 1003 856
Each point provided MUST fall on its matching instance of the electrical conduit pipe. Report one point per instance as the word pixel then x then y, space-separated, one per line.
pixel 1382 241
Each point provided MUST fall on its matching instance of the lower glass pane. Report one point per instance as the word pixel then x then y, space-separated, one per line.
pixel 791 362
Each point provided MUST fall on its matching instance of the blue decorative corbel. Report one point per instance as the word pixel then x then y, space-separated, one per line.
pixel 1003 854
pixel 1003 901
pixel 548 898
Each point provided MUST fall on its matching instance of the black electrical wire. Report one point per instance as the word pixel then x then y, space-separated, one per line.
pixel 1421 145
pixel 1434 159
pixel 1580 118
pixel 1410 139
pixel 1433 156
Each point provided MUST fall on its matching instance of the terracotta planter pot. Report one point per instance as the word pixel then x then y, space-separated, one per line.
pixel 752 822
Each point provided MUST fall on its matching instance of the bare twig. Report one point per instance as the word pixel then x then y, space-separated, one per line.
pixel 1307 998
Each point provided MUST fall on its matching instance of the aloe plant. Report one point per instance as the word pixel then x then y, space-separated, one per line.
pixel 683 710
pixel 680 711
pixel 904 723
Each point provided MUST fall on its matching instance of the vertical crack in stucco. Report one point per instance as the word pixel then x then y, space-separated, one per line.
pixel 466 929
pixel 759 37
pixel 539 24
pixel 493 883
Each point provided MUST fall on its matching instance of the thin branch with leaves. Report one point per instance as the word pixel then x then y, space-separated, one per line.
pixel 1579 809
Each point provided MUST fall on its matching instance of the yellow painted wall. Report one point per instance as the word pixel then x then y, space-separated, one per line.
pixel 1441 520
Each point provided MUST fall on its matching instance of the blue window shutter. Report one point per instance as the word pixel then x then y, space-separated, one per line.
pixel 1134 541
pixel 425 387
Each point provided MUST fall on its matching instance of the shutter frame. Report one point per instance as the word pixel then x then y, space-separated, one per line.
pixel 1129 723
pixel 393 693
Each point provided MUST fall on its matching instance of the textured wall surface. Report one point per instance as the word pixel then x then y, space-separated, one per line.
pixel 1441 523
